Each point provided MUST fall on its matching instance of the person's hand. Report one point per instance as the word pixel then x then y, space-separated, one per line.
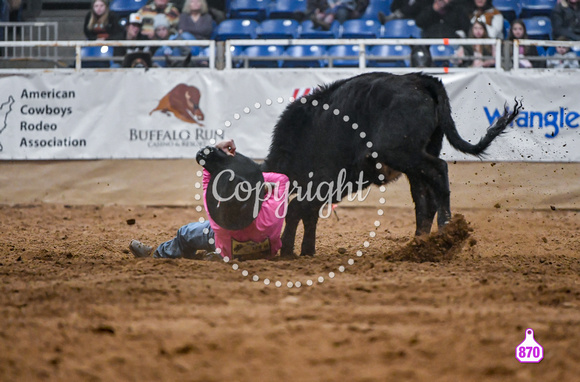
pixel 438 5
pixel 227 146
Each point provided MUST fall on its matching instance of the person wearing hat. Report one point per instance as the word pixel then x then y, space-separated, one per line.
pixel 246 210
pixel 132 32
pixel 161 27
pixel 158 7
pixel 101 23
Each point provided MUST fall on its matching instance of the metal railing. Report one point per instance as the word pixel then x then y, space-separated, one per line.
pixel 20 32
pixel 77 45
pixel 362 44
pixel 540 43
pixel 221 52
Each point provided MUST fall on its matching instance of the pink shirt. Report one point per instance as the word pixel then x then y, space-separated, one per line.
pixel 264 231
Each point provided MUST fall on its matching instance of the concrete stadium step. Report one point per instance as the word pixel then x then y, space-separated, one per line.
pixel 70 22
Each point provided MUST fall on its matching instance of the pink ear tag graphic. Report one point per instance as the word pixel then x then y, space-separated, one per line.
pixel 529 351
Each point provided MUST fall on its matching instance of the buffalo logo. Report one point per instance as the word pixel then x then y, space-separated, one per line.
pixel 5 109
pixel 183 102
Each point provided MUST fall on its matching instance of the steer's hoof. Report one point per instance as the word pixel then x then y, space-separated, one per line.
pixel 286 254
pixel 282 257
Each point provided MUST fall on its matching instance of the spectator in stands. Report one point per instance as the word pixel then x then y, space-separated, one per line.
pixel 518 31
pixel 566 19
pixel 133 32
pixel 161 27
pixel 156 7
pixel 403 9
pixel 484 11
pixel 101 23
pixel 566 60
pixel 324 12
pixel 479 52
pixel 11 10
pixel 444 19
pixel 195 23
pixel 4 13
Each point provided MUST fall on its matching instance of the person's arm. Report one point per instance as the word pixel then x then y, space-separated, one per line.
pixel 173 17
pixel 533 52
pixel 361 7
pixel 558 28
pixel 182 23
pixel 456 15
pixel 571 63
pixel 397 4
pixel 428 16
pixel 89 34
pixel 495 30
pixel 206 27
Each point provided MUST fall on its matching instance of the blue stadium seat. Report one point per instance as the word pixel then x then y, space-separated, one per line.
pixel 576 49
pixel 344 51
pixel 441 55
pixel 401 28
pixel 263 51
pixel 248 9
pixel 236 29
pixel 510 9
pixel 506 28
pixel 124 8
pixel 539 27
pixel 204 52
pixel 546 51
pixel 308 30
pixel 402 54
pixel 531 8
pixel 376 6
pixel 236 51
pixel 286 9
pixel 361 29
pixel 309 54
pixel 278 28
pixel 101 56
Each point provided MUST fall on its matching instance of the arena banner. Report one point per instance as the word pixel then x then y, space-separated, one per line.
pixel 172 113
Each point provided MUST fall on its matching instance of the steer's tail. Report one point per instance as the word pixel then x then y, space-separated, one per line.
pixel 448 125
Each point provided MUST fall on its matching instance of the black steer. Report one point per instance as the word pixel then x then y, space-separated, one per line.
pixel 403 118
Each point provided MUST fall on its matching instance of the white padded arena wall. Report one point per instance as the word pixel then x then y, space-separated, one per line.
pixel 91 114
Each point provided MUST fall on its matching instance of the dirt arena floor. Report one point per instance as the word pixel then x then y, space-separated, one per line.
pixel 76 306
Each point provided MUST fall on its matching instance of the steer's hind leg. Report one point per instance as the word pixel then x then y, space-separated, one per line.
pixel 437 177
pixel 310 220
pixel 293 217
pixel 432 173
pixel 425 204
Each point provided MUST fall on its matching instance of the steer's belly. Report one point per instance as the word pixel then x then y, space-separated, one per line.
pixel 389 174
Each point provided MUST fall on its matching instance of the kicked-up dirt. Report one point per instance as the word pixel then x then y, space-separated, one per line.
pixel 374 304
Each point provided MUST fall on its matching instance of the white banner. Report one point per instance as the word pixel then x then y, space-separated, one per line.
pixel 163 113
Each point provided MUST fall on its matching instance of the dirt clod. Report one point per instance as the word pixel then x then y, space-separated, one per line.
pixel 435 247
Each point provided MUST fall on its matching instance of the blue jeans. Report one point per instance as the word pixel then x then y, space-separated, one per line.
pixel 190 238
